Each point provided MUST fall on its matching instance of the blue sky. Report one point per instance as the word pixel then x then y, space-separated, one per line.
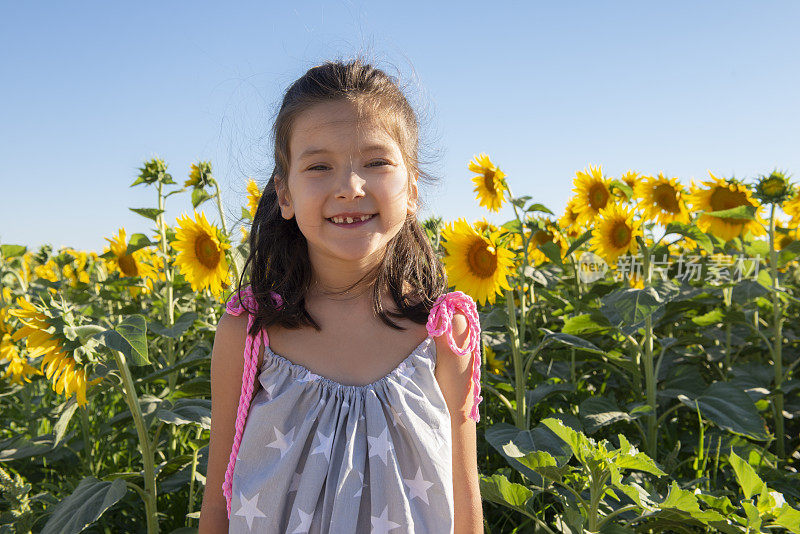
pixel 90 90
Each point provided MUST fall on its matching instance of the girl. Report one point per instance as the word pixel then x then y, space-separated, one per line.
pixel 345 414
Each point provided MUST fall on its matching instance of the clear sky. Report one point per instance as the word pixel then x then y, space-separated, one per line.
pixel 90 90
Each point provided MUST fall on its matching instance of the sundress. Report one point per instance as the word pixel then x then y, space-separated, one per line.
pixel 312 455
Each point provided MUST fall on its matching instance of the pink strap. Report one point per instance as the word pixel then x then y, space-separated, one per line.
pixel 251 348
pixel 442 314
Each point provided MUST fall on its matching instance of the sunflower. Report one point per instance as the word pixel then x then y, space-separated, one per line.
pixel 784 239
pixel 484 227
pixel 66 375
pixel 591 194
pixel 48 271
pixel 490 182
pixel 630 179
pixel 494 364
pixel 721 195
pixel 477 265
pixel 253 196
pixel 569 221
pixel 662 199
pixel 131 264
pixel 201 255
pixel 791 207
pixel 547 232
pixel 199 175
pixel 75 271
pixel 615 233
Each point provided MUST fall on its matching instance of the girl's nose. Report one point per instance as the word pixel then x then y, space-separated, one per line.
pixel 350 185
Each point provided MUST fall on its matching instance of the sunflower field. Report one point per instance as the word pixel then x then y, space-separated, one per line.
pixel 639 352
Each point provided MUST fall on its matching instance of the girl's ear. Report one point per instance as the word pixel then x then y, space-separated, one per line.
pixel 284 199
pixel 413 195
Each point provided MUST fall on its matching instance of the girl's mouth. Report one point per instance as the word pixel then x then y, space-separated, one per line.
pixel 351 222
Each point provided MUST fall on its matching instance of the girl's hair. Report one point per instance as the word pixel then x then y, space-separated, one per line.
pixel 278 259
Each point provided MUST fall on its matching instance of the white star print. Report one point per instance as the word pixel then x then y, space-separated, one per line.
pixel 269 390
pixel 405 373
pixel 249 509
pixel 380 445
pixel 295 482
pixel 382 524
pixel 324 447
pixel 305 522
pixel 418 486
pixel 396 418
pixel 307 377
pixel 281 442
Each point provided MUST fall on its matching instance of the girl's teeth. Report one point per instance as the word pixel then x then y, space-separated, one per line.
pixel 350 220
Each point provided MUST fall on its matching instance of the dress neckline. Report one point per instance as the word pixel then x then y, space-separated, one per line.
pixel 301 370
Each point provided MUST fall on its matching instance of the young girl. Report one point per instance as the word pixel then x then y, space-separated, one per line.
pixel 345 379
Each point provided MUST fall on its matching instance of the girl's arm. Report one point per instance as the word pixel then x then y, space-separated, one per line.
pixel 454 375
pixel 227 366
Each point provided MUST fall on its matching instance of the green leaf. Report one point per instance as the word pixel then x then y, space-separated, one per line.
pixel 129 337
pixel 729 407
pixel 582 325
pixel 512 443
pixel 138 241
pixel 87 503
pixel 539 393
pixel 61 426
pixel 692 232
pixel 17 448
pixel 196 357
pixel 627 308
pixel 578 242
pixel 12 251
pixel 148 213
pixel 686 501
pixel 182 324
pixel 536 207
pixel 576 441
pixel 199 196
pixel 597 412
pixel 568 340
pixel 187 411
pixel 746 476
pixel 788 253
pixel 712 317
pixel 499 490
pixel 744 212
pixel 788 518
pixel 553 253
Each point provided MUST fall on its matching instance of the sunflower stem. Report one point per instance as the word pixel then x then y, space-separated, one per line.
pixel 649 370
pixel 777 326
pixel 519 375
pixel 162 230
pixel 149 494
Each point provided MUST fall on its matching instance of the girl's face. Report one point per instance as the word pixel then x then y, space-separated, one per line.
pixel 341 169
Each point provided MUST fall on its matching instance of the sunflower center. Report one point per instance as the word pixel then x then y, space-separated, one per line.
pixel 482 259
pixel 598 197
pixel 724 199
pixel 773 186
pixel 666 198
pixel 206 251
pixel 541 237
pixel 128 265
pixel 620 234
pixel 488 181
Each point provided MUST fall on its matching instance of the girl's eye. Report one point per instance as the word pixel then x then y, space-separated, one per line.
pixel 323 167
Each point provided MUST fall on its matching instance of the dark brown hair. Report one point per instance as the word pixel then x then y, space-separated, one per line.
pixel 278 259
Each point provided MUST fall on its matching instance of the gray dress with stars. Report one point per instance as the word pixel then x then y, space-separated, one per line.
pixel 319 456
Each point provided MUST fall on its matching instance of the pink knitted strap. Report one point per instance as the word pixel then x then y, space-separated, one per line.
pixel 251 348
pixel 442 315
